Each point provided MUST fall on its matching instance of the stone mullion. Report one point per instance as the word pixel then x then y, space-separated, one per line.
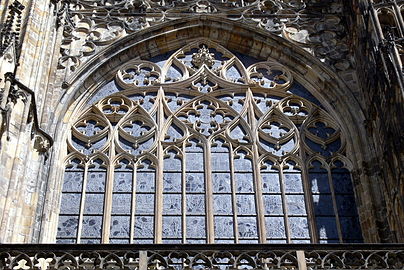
pixel 233 193
pixel 82 202
pixel 183 194
pixel 107 204
pixel 109 186
pixel 209 193
pixel 133 205
pixel 308 196
pixel 158 222
pixel 284 206
pixel 334 203
pixel 256 171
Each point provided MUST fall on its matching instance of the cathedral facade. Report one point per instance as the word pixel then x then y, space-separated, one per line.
pixel 202 122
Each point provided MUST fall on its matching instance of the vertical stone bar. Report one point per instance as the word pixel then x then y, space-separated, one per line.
pixel 301 260
pixel 143 260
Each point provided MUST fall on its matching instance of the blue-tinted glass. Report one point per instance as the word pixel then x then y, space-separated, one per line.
pixel 299 227
pixel 94 204
pixel 234 74
pixel 275 227
pixel 301 91
pixel 172 163
pixel 121 203
pixel 327 227
pixel 293 183
pixel 146 102
pixel 144 227
pixel 319 183
pixel 90 241
pixel 195 204
pixel 276 241
pixel 73 181
pixel 247 227
pixel 242 164
pixel 123 181
pixel 92 226
pixel 195 182
pixel 342 182
pixel 68 226
pixel 86 148
pixel 119 241
pixel 120 226
pixel 323 205
pixel 96 182
pixel 222 204
pixel 220 162
pixel 296 205
pixel 246 205
pixel 106 90
pixel 221 182
pixel 172 227
pixel 194 162
pixel 350 228
pixel 145 182
pixel 346 205
pixel 196 227
pixel 70 203
pixel 273 204
pixel 145 203
pixel 172 204
pixel 224 227
pixel 65 241
pixel 244 182
pixel 270 182
pixel 172 182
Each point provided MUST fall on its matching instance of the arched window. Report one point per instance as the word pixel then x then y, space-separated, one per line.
pixel 206 146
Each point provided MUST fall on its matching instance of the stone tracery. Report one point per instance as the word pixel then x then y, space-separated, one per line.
pixel 208 144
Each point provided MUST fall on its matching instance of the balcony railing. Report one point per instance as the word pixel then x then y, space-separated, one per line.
pixel 187 257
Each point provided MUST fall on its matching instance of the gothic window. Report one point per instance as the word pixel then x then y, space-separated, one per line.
pixel 199 148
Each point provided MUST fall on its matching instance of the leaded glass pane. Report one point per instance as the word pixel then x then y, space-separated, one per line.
pixel 120 227
pixel 196 227
pixel 92 226
pixel 144 227
pixel 247 227
pixel 172 227
pixel 224 227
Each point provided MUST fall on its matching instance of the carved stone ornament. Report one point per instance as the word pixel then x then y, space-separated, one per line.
pixel 197 115
pixel 90 26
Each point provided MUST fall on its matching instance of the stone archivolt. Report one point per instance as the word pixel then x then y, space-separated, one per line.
pixel 90 26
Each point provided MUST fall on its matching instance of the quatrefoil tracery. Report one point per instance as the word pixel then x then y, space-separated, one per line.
pixel 213 94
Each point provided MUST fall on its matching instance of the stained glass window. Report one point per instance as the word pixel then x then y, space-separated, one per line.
pixel 200 148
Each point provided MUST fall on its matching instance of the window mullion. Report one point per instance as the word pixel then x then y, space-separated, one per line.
pixel 308 197
pixel 133 205
pixel 183 194
pixel 209 193
pixel 158 223
pixel 284 205
pixel 108 203
pixel 83 200
pixel 334 203
pixel 233 193
pixel 258 196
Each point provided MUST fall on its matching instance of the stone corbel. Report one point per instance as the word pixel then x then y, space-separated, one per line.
pixel 13 92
